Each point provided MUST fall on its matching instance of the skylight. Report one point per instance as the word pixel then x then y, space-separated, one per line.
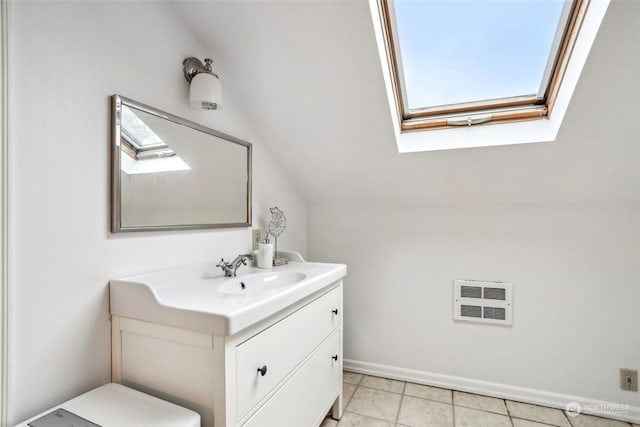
pixel 139 134
pixel 463 51
pixel 145 152
pixel 464 62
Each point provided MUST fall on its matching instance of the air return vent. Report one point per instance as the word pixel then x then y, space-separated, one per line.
pixel 488 302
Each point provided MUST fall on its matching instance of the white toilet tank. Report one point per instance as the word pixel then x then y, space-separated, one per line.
pixel 113 405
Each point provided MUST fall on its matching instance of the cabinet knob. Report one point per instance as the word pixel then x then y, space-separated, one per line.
pixel 263 370
pixel 335 357
pixel 335 311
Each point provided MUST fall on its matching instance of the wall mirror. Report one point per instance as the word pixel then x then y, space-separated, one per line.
pixel 169 173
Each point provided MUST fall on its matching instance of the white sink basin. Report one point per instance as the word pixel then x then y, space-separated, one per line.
pixel 259 283
pixel 200 298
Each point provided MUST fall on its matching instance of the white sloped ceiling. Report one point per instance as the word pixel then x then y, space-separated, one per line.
pixel 307 74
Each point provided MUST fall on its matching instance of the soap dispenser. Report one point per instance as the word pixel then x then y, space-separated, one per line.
pixel 265 254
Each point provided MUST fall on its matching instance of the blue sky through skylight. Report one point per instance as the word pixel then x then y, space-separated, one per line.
pixel 456 51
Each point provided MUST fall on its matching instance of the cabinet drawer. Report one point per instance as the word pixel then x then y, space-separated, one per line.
pixel 281 347
pixel 303 399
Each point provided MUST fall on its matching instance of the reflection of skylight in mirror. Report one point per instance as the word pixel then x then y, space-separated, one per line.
pixel 455 51
pixel 138 131
pixel 165 164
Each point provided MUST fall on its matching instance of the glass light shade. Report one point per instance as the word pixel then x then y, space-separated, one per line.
pixel 205 92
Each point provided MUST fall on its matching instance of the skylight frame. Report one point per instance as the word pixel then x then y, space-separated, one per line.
pixel 134 137
pixel 486 111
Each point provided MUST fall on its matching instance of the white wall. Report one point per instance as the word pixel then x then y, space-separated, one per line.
pixel 66 59
pixel 574 269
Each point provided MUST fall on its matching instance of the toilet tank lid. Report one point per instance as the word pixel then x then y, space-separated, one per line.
pixel 114 405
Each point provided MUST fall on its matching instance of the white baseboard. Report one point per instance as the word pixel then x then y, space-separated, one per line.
pixel 520 394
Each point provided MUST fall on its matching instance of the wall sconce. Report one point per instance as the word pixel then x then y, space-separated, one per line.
pixel 205 90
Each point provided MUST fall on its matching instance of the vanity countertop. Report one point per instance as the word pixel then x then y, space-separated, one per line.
pixel 200 298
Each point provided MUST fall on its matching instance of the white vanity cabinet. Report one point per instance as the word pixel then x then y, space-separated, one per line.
pixel 285 371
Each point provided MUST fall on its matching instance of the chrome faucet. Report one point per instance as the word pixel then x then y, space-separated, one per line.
pixel 230 268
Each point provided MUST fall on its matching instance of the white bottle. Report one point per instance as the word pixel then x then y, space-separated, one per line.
pixel 265 255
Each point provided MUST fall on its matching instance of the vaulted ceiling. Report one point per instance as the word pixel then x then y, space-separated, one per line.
pixel 307 74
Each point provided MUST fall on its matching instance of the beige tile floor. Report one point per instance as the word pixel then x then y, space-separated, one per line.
pixel 380 402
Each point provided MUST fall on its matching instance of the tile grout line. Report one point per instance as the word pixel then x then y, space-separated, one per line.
pixel 453 410
pixel 379 389
pixel 347 401
pixel 399 408
pixel 485 410
pixel 404 388
pixel 357 385
pixel 344 406
pixel 508 412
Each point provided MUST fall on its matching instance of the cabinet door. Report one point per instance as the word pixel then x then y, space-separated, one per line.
pixel 304 399
pixel 282 347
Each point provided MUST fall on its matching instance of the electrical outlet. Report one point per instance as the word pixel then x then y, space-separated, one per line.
pixel 255 239
pixel 629 379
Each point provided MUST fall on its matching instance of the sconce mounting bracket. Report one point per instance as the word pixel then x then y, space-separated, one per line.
pixel 192 66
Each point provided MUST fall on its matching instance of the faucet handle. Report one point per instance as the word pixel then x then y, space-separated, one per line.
pixel 221 263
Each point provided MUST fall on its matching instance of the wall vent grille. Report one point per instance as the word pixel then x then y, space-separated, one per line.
pixel 495 293
pixel 471 292
pixel 471 310
pixel 494 313
pixel 487 302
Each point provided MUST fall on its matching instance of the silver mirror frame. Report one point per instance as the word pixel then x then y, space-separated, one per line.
pixel 116 209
